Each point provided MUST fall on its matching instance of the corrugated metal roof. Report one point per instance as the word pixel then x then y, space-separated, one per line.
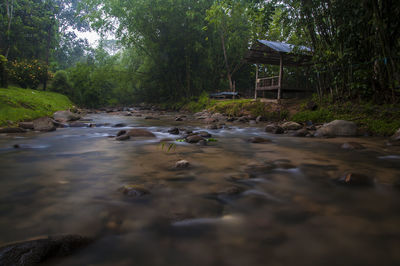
pixel 283 47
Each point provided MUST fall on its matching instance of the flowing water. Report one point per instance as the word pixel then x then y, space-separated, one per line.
pixel 238 203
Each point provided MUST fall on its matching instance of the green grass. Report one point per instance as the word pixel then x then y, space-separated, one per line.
pixel 18 104
pixel 381 120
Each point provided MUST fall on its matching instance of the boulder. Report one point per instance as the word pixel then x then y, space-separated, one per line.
pixel 337 128
pixel 243 119
pixel 173 131
pixel 134 191
pixel 182 164
pixel 34 252
pixel 12 130
pixel 65 116
pixel 194 139
pixel 274 129
pixel 44 124
pixel 291 126
pixel 352 146
pixel 356 180
pixel 212 126
pixel 26 125
pixel 137 132
pixel 259 140
pixel 210 120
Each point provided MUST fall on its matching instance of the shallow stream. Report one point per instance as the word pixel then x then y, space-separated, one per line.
pixel 239 203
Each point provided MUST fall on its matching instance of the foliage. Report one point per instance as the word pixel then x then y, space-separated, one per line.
pixel 18 104
pixel 28 73
pixel 61 83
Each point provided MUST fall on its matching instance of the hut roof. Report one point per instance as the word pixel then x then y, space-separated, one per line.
pixel 269 52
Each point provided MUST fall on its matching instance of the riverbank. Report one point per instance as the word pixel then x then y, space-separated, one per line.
pixel 372 119
pixel 17 104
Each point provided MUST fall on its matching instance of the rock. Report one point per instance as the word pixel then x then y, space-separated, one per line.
pixel 352 146
pixel 151 117
pixel 65 116
pixel 120 125
pixel 274 129
pixel 137 132
pixel 230 119
pixel 134 190
pixel 122 137
pixel 355 179
pixel 291 126
pixel 173 131
pixel 194 139
pixel 78 124
pixel 213 126
pixel 202 142
pixel 182 164
pixel 12 130
pixel 259 140
pixel 243 119
pixel 121 132
pixel 26 125
pixel 204 134
pixel 337 128
pixel 259 119
pixel 37 251
pixel 396 136
pixel 300 133
pixel 210 120
pixel 44 124
pixel 178 119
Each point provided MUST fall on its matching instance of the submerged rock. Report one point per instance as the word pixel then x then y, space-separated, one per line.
pixel 182 164
pixel 44 124
pixel 274 129
pixel 259 140
pixel 300 133
pixel 121 132
pixel 352 146
pixel 120 125
pixel 204 134
pixel 134 190
pixel 337 128
pixel 356 180
pixel 12 130
pixel 122 137
pixel 37 251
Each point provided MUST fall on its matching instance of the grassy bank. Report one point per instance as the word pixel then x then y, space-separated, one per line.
pixel 381 120
pixel 18 104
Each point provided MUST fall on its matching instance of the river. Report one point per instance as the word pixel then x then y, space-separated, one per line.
pixel 239 203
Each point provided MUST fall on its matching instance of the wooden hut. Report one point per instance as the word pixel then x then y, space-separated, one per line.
pixel 276 53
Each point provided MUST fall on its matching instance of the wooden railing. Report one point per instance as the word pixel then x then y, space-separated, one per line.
pixel 271 83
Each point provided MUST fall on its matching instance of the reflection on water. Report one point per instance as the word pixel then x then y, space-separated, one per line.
pixel 238 204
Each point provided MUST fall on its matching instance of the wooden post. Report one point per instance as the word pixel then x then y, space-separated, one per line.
pixel 255 90
pixel 280 76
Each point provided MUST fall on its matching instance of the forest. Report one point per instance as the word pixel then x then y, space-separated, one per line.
pixel 160 51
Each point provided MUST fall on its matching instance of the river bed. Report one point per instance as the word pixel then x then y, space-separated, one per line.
pixel 285 208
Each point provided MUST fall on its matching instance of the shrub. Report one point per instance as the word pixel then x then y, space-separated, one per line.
pixel 60 83
pixel 28 74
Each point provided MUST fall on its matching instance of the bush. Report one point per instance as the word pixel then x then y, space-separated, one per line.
pixel 28 74
pixel 60 83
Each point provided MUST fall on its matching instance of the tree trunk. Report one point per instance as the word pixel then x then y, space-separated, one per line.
pixel 228 70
